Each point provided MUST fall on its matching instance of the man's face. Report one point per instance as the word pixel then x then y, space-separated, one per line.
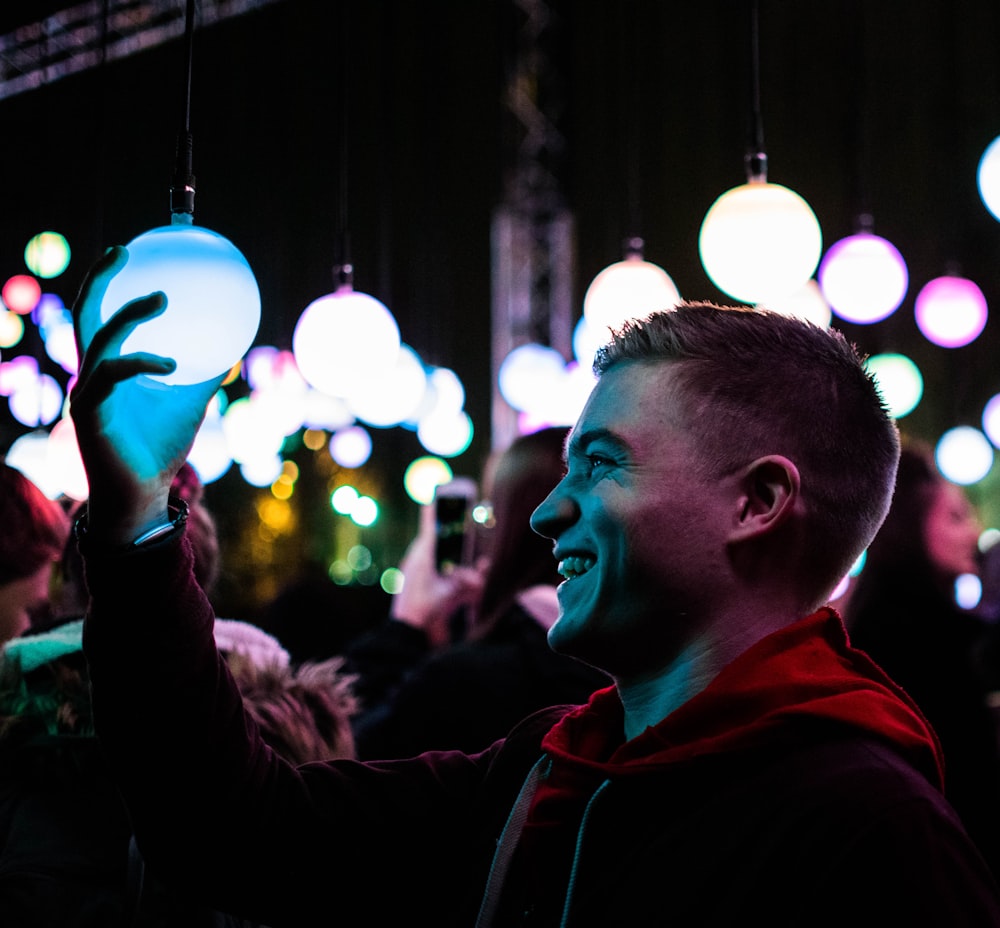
pixel 639 528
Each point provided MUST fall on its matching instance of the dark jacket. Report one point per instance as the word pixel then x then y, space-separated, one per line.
pixel 464 697
pixel 802 819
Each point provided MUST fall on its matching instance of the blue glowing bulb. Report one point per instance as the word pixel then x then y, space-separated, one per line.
pixel 213 302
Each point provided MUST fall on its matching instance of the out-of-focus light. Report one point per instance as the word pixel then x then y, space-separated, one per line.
pixel 29 453
pixel 445 434
pixel 964 455
pixel 38 402
pixel 389 397
pixel 246 433
pixel 863 277
pixel 423 475
pixel 527 372
pixel 47 254
pixel 629 289
pixel 351 447
pixel 391 580
pixel 55 325
pixel 899 381
pixel 968 591
pixel 21 294
pixel 360 557
pixel 64 455
pixel 314 439
pixel 759 242
pixel 586 340
pixel 806 303
pixel 991 419
pixel 988 539
pixel 213 303
pixel 988 177
pixel 11 328
pixel 364 512
pixel 261 471
pixel 343 499
pixel 344 336
pixel 950 311
pixel 210 455
pixel 276 514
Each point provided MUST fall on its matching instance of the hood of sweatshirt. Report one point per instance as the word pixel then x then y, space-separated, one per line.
pixel 805 670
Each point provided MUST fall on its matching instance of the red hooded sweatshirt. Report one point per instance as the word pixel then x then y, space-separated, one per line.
pixel 807 669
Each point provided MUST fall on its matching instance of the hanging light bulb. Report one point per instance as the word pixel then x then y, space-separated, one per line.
pixel 863 277
pixel 628 289
pixel 344 337
pixel 759 241
pixel 988 178
pixel 213 302
pixel 951 311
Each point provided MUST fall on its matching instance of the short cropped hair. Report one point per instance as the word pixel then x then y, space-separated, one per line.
pixel 756 382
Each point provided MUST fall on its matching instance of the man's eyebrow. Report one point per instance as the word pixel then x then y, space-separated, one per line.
pixel 577 441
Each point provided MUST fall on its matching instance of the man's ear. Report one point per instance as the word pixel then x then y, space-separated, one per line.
pixel 770 492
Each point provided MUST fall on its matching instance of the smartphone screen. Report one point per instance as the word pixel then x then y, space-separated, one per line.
pixel 453 504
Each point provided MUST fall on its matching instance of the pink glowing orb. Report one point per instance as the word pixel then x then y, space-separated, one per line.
pixel 863 277
pixel 951 311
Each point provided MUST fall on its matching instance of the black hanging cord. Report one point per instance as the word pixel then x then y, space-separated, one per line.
pixel 182 188
pixel 755 159
pixel 629 57
pixel 343 270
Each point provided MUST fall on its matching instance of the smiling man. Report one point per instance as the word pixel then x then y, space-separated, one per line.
pixel 748 766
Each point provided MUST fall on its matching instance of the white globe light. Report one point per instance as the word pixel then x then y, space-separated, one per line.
pixel 759 242
pixel 391 396
pixel 342 337
pixel 422 477
pixel 988 177
pixel 864 278
pixel 629 289
pixel 806 303
pixel 964 455
pixel 445 434
pixel 991 419
pixel 951 311
pixel 527 372
pixel 899 381
pixel 350 447
pixel 213 303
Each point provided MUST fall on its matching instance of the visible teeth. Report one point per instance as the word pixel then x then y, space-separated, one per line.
pixel 571 567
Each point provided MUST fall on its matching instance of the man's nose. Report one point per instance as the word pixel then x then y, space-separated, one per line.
pixel 554 514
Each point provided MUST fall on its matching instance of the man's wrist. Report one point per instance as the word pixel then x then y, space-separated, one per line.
pixel 172 520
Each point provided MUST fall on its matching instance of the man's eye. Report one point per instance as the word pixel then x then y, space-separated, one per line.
pixel 596 461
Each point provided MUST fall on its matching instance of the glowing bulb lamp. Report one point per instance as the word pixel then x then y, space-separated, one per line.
pixel 863 277
pixel 899 381
pixel 629 289
pixel 964 455
pixel 951 311
pixel 213 303
pixel 47 254
pixel 342 337
pixel 988 177
pixel 759 242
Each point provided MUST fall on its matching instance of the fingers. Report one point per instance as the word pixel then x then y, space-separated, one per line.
pixel 86 308
pixel 106 341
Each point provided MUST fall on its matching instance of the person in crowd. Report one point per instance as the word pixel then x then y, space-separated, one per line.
pixel 903 614
pixel 747 764
pixel 34 531
pixel 67 855
pixel 425 692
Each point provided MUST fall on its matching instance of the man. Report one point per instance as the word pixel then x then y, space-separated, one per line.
pixel 747 767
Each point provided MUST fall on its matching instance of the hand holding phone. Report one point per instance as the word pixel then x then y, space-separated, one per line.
pixel 453 504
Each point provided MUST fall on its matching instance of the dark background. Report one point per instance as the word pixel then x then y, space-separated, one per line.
pixel 885 106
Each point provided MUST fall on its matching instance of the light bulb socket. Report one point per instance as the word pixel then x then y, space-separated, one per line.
pixel 182 197
pixel 634 247
pixel 755 162
pixel 343 275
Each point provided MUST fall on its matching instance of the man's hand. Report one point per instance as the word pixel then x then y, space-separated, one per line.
pixel 134 433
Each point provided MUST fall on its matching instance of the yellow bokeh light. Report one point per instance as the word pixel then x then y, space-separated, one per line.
pixel 314 439
pixel 276 514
